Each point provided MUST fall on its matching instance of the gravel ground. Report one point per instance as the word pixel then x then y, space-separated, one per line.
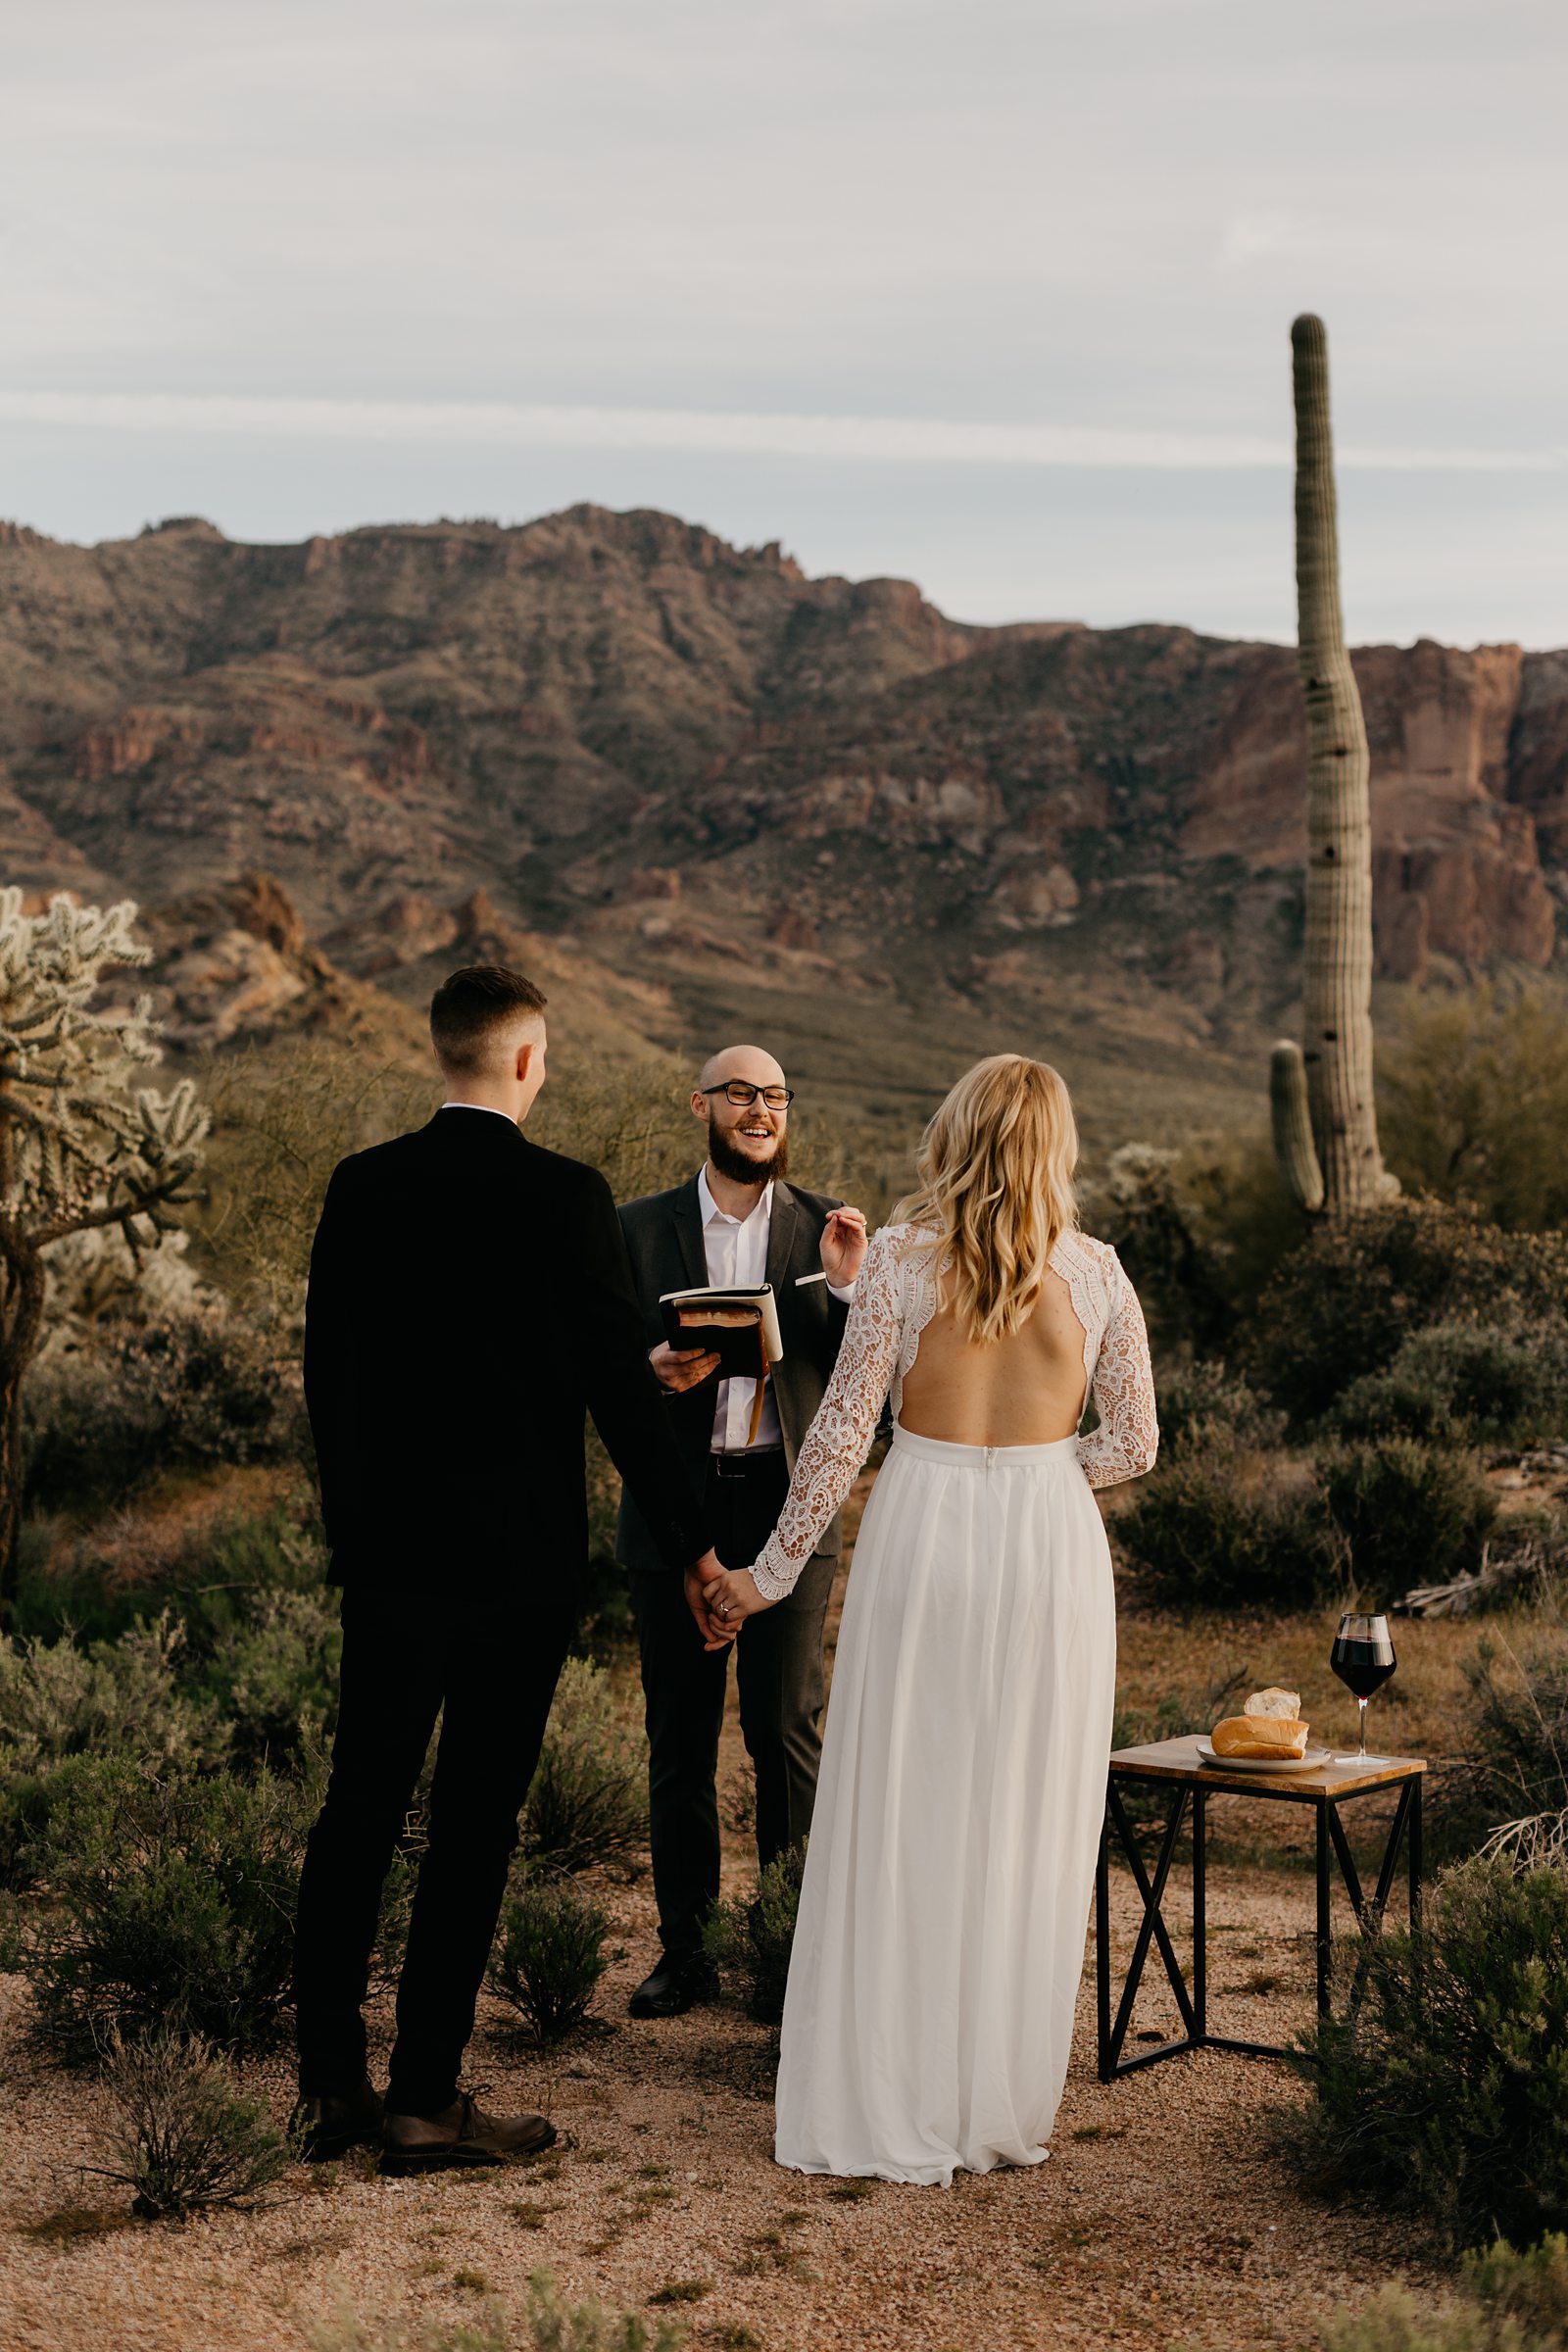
pixel 1158 2221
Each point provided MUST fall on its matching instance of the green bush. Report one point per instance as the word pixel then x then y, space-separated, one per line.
pixel 1511 1787
pixel 1466 1383
pixel 1411 1513
pixel 114 1698
pixel 550 1956
pixel 588 1802
pixel 756 1939
pixel 206 1567
pixel 1204 1404
pixel 273 1675
pixel 179 2133
pixel 194 1385
pixel 1473 1101
pixel 1221 1527
pixel 1508 2302
pixel 172 1905
pixel 1342 1305
pixel 1447 2098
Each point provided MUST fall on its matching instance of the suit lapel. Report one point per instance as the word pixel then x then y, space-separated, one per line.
pixel 781 1228
pixel 686 1216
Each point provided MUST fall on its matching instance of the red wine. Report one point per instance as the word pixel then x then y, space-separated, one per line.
pixel 1362 1666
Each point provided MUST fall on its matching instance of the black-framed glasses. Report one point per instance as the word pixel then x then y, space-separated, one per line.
pixel 736 1091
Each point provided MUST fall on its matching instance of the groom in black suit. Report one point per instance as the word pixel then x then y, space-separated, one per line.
pixel 470 1298
pixel 736 1222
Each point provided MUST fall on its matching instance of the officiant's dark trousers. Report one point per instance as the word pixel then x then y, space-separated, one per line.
pixel 779 1677
pixel 488 1667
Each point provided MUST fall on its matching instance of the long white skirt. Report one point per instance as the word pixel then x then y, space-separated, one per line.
pixel 931 1992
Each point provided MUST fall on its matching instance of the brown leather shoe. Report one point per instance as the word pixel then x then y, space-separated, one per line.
pixel 326 2127
pixel 462 2133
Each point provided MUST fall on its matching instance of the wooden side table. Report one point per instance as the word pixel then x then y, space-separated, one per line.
pixel 1175 1765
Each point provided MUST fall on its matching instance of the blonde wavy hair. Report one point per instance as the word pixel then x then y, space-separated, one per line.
pixel 995 1190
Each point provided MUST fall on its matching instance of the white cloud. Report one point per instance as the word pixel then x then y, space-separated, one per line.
pixel 710 432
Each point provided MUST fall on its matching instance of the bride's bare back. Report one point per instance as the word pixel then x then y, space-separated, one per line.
pixel 1024 1390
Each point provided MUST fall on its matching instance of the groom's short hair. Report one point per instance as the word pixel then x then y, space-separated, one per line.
pixel 469 1008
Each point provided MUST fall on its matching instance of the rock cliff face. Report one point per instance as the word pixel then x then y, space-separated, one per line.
pixel 671 756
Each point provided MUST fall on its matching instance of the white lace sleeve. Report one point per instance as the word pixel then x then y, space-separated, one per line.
pixel 836 1445
pixel 1127 1439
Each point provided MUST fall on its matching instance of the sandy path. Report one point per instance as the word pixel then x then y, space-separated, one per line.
pixel 1157 2223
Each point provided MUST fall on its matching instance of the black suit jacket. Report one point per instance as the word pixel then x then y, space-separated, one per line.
pixel 664 1237
pixel 470 1299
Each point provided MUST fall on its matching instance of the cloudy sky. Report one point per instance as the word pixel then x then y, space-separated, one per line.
pixel 994 295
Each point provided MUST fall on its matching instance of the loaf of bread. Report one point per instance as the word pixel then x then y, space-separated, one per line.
pixel 1259 1737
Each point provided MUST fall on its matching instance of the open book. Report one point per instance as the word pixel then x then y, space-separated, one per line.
pixel 740 1326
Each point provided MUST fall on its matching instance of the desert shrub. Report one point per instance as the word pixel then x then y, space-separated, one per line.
pixel 1411 1513
pixel 1473 1102
pixel 193 1385
pixel 1223 1527
pixel 589 1802
pixel 1342 1306
pixel 1510 1790
pixel 1507 2302
pixel 1448 2096
pixel 551 2325
pixel 171 1904
pixel 1466 1383
pixel 178 2133
pixel 114 1698
pixel 1205 1402
pixel 550 1954
pixel 274 1675
pixel 199 1554
pixel 754 1939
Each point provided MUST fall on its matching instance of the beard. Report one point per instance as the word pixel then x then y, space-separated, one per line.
pixel 740 1167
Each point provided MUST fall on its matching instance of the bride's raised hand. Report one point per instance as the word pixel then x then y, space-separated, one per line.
pixel 733 1596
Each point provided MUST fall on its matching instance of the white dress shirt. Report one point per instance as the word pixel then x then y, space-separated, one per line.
pixel 736 1250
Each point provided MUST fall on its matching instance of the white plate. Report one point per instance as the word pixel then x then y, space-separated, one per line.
pixel 1313 1761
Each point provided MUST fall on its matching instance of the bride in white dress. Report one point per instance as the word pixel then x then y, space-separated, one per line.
pixel 941 1934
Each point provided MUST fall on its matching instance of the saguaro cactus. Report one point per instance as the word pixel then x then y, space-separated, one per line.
pixel 1325 1125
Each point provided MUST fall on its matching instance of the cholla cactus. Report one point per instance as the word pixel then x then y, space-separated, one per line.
pixel 83 1147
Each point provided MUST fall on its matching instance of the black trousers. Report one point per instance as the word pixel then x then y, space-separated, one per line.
pixel 779 1674
pixel 489 1668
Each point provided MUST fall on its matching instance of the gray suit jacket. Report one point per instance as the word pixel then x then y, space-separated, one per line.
pixel 665 1238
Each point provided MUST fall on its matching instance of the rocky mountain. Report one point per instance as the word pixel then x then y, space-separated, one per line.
pixel 707 785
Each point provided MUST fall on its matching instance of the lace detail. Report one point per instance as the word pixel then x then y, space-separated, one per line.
pixel 871 1359
pixel 895 1300
pixel 1116 1365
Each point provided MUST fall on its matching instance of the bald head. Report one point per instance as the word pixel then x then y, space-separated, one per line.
pixel 751 1063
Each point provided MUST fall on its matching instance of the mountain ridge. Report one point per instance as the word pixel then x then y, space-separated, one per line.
pixel 706 773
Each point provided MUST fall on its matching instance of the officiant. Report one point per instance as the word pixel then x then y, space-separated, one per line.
pixel 737 1222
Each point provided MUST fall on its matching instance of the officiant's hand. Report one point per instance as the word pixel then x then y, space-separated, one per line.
pixel 680 1368
pixel 732 1597
pixel 701 1581
pixel 843 1245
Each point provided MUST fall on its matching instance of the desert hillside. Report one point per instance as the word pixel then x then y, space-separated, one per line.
pixel 712 790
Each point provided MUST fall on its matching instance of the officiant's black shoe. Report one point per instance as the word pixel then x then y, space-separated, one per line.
pixel 323 2128
pixel 679 1982
pixel 462 2133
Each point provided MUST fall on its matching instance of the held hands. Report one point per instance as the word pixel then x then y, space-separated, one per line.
pixel 720 1599
pixel 700 1581
pixel 731 1597
pixel 843 1245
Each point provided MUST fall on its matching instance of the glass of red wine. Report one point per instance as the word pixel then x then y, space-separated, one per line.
pixel 1363 1658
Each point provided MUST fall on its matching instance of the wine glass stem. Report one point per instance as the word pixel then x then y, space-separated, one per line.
pixel 1361 1703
